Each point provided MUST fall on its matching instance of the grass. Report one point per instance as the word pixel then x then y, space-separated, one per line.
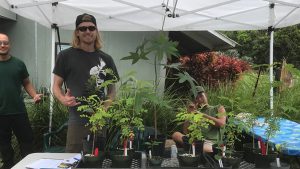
pixel 286 102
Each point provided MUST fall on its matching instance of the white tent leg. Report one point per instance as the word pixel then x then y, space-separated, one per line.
pixel 271 33
pixel 36 54
pixel 51 85
pixel 271 70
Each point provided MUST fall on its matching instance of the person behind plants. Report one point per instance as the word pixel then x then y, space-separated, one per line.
pixel 75 66
pixel 13 114
pixel 215 113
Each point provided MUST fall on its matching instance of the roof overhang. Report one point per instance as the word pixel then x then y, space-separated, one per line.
pixel 191 42
pixel 211 39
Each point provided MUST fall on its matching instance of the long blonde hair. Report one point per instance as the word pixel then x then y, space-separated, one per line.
pixel 98 41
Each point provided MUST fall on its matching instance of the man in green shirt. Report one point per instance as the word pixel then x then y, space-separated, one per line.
pixel 215 113
pixel 13 114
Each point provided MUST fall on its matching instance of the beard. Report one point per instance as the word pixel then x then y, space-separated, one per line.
pixel 3 53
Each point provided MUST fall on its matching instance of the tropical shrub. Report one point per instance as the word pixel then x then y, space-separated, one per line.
pixel 211 68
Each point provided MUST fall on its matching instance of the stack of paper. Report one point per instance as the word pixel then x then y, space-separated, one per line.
pixel 48 163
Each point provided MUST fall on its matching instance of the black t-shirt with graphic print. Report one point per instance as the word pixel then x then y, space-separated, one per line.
pixel 76 66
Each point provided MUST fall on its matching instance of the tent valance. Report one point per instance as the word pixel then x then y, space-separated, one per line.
pixel 155 15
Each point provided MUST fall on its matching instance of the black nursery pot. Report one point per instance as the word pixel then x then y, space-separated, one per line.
pixel 263 161
pixel 248 152
pixel 130 152
pixel 99 143
pixel 283 165
pixel 121 161
pixel 240 154
pixel 155 161
pixel 234 162
pixel 187 160
pixel 198 147
pixel 93 161
pixel 158 150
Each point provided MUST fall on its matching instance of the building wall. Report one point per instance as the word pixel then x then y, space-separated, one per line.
pixel 31 42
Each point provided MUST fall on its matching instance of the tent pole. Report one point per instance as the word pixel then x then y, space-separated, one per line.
pixel 271 33
pixel 271 70
pixel 52 67
pixel 36 82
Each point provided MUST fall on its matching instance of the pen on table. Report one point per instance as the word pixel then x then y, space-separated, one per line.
pixel 52 158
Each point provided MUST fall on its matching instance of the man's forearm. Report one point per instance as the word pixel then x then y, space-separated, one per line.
pixel 57 91
pixel 218 121
pixel 29 88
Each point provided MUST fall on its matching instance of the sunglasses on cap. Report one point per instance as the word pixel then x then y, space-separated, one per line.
pixel 5 43
pixel 84 28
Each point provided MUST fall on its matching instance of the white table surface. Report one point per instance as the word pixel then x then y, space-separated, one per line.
pixel 36 156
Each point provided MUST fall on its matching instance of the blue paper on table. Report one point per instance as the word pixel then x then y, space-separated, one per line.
pixel 288 135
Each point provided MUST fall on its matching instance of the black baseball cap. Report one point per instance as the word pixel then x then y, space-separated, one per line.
pixel 85 18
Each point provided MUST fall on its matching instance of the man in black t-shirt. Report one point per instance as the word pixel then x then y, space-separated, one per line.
pixel 75 66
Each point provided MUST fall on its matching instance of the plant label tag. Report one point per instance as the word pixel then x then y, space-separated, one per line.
pixel 125 151
pixel 278 162
pixel 220 163
pixel 130 144
pixel 193 148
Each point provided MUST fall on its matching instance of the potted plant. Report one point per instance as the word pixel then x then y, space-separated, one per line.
pixel 196 124
pixel 271 116
pixel 266 155
pixel 278 164
pixel 250 121
pixel 154 161
pixel 124 120
pixel 127 112
pixel 94 109
pixel 232 133
pixel 97 116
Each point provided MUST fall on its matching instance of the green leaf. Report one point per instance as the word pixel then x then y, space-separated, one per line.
pixel 183 77
pixel 140 53
pixel 163 46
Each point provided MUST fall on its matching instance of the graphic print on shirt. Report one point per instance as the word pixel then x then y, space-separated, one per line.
pixel 98 71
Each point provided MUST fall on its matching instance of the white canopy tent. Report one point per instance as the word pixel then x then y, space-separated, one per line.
pixel 151 15
pixel 167 15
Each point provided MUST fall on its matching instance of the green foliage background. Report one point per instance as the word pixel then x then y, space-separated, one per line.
pixel 286 103
pixel 254 45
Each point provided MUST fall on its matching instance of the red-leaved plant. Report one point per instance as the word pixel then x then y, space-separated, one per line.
pixel 211 68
